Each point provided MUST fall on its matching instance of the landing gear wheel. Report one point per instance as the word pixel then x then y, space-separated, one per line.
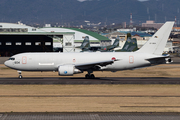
pixel 92 76
pixel 20 76
pixel 87 76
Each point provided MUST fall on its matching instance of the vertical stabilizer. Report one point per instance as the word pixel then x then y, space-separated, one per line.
pixel 130 45
pixel 86 44
pixel 133 46
pixel 157 43
pixel 126 45
pixel 116 42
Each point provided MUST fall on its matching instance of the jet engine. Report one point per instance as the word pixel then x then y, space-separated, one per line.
pixel 168 60
pixel 67 70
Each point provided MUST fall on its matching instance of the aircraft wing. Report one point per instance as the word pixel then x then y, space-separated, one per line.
pixel 94 65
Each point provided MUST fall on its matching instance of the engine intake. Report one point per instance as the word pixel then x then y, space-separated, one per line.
pixel 168 60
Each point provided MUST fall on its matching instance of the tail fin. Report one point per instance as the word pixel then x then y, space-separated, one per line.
pixel 85 44
pixel 157 43
pixel 134 46
pixel 110 47
pixel 130 45
pixel 126 45
pixel 116 42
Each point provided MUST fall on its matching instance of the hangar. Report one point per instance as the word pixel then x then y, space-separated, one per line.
pixel 80 34
pixel 19 38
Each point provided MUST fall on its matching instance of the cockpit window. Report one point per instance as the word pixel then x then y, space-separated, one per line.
pixel 11 58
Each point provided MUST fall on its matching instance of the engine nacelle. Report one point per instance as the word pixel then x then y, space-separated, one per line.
pixel 169 60
pixel 67 70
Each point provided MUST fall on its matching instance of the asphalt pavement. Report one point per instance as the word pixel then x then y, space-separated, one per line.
pixel 90 116
pixel 82 80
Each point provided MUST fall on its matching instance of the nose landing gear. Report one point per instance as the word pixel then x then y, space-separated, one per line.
pixel 20 76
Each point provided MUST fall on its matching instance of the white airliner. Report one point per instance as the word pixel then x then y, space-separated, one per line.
pixel 68 64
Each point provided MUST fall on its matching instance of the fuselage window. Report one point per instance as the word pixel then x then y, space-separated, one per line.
pixel 0 43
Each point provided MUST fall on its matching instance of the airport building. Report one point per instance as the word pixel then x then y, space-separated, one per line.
pixel 141 38
pixel 19 38
pixel 79 35
pixel 152 24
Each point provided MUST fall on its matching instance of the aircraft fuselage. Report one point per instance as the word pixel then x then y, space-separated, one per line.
pixel 51 61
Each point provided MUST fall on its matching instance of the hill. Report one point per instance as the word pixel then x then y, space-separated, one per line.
pixel 75 12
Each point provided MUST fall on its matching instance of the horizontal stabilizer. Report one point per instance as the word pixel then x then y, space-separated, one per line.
pixel 155 58
pixel 160 60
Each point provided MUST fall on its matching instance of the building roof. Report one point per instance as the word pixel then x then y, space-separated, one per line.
pixel 79 34
pixel 115 33
pixel 35 33
pixel 21 29
pixel 141 34
pixel 94 34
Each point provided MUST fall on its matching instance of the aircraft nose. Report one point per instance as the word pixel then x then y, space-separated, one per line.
pixel 6 63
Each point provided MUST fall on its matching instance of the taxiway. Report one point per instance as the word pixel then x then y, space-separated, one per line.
pixel 81 80
pixel 89 116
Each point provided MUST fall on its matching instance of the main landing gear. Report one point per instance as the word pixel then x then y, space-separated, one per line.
pixel 89 75
pixel 20 76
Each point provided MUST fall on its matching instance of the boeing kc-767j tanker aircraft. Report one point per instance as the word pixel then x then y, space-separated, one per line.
pixel 68 64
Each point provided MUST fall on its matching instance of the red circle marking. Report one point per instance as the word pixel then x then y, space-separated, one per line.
pixel 104 48
pixel 113 58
